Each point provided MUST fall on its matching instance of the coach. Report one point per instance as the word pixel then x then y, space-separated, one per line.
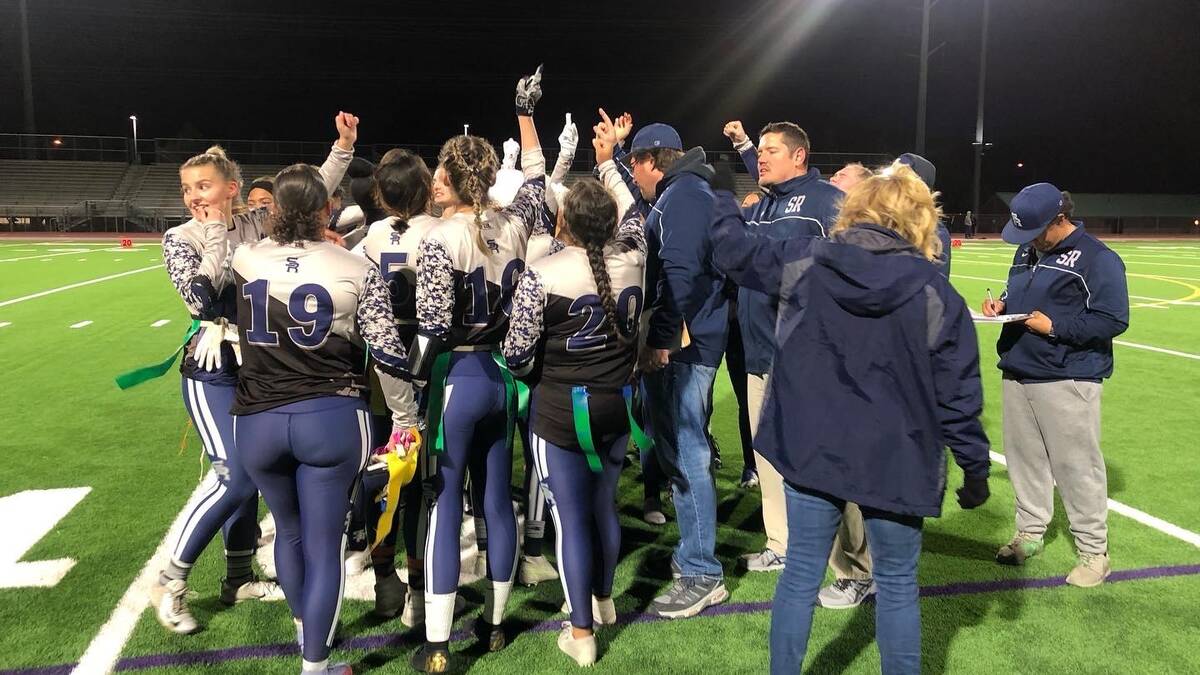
pixel 1053 365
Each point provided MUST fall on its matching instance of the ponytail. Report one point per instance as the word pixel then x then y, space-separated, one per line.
pixel 590 215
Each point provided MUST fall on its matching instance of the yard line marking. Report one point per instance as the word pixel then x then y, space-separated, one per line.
pixel 1135 514
pixel 76 251
pixel 81 324
pixel 5 324
pixel 105 649
pixel 1160 350
pixel 160 323
pixel 68 287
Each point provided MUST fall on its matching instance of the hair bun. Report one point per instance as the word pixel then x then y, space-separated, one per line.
pixel 216 150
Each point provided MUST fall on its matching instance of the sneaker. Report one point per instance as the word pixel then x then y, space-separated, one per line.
pixel 390 593
pixel 534 570
pixel 749 478
pixel 171 608
pixel 430 659
pixel 652 511
pixel 846 593
pixel 688 596
pixel 765 560
pixel 414 607
pixel 492 636
pixel 255 589
pixel 581 650
pixel 332 669
pixel 676 571
pixel 266 531
pixel 1091 570
pixel 1022 547
pixel 604 612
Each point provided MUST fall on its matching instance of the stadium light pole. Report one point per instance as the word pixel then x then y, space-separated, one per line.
pixel 136 157
pixel 26 68
pixel 979 144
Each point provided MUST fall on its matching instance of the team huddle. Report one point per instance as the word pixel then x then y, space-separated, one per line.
pixel 377 365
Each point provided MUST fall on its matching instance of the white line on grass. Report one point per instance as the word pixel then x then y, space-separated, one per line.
pixel 81 324
pixel 1160 350
pixel 160 323
pixel 5 324
pixel 1165 301
pixel 1135 514
pixel 102 654
pixel 76 251
pixel 70 286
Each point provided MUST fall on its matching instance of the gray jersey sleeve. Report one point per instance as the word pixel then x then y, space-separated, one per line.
pixel 525 324
pixel 378 330
pixel 435 289
pixel 195 266
pixel 335 167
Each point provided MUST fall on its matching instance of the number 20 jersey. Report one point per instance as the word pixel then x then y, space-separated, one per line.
pixel 304 316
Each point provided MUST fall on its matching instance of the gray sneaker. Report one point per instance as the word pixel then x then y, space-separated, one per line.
pixel 846 593
pixel 688 596
pixel 765 560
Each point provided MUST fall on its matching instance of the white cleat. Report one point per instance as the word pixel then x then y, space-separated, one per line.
pixel 170 607
pixel 604 612
pixel 533 570
pixel 581 650
pixel 255 589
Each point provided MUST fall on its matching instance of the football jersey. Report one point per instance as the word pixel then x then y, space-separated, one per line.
pixel 307 316
pixel 395 254
pixel 557 313
pixel 463 292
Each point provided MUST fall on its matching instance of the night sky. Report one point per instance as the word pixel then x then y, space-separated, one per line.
pixel 1093 95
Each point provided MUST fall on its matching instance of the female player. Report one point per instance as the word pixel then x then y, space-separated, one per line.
pixel 884 338
pixel 306 307
pixel 466 272
pixel 196 255
pixel 579 308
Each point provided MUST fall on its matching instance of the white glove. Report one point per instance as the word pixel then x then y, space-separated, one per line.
pixel 555 196
pixel 231 336
pixel 568 140
pixel 511 150
pixel 208 345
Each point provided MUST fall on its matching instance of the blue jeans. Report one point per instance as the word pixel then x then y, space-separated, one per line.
pixel 895 543
pixel 681 405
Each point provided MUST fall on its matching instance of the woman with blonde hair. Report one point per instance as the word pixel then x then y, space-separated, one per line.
pixel 876 372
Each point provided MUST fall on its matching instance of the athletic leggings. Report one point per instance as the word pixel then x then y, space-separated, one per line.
pixel 534 494
pixel 230 502
pixel 475 418
pixel 304 457
pixel 583 504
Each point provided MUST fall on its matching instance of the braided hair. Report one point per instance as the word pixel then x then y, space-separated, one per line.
pixel 471 163
pixel 300 197
pixel 402 186
pixel 590 215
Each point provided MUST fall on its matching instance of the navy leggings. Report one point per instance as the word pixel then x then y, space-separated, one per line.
pixel 583 504
pixel 475 417
pixel 230 502
pixel 305 457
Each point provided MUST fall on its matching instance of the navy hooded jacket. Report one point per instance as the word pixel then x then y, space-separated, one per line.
pixel 688 287
pixel 876 370
pixel 1080 285
pixel 804 205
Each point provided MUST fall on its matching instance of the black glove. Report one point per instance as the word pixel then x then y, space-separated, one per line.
pixel 723 179
pixel 973 493
pixel 529 91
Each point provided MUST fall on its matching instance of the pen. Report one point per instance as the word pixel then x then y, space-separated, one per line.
pixel 989 293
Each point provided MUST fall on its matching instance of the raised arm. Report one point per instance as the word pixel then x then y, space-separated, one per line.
pixel 195 272
pixel 749 261
pixel 335 165
pixel 744 146
pixel 568 142
pixel 378 330
pixel 526 207
pixel 604 142
pixel 621 129
pixel 525 323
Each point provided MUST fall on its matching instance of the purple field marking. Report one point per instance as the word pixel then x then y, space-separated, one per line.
pixel 370 642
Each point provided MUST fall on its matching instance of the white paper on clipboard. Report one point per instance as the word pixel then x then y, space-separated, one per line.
pixel 1001 318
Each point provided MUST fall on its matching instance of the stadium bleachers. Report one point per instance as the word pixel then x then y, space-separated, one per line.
pixel 62 183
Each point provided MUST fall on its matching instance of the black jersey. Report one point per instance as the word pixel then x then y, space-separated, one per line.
pixel 464 291
pixel 304 313
pixel 557 313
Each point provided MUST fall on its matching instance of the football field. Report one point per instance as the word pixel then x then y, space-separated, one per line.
pixel 93 478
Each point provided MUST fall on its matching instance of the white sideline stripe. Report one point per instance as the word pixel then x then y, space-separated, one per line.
pixel 102 653
pixel 1135 514
pixel 160 323
pixel 82 283
pixel 81 324
pixel 5 324
pixel 1160 350
pixel 74 251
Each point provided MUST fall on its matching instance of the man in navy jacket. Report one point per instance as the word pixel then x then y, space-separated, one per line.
pixel 1054 364
pixel 796 202
pixel 684 346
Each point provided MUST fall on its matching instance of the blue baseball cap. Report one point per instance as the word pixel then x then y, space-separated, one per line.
pixel 657 135
pixel 923 167
pixel 1032 210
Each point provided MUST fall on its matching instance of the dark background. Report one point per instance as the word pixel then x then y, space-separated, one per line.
pixel 1093 95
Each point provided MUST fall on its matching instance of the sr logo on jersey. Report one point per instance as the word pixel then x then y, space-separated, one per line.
pixel 292 265
pixel 794 204
pixel 1068 259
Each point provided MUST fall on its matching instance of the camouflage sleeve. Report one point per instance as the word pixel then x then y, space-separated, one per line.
pixel 526 210
pixel 525 323
pixel 377 329
pixel 193 272
pixel 631 233
pixel 435 289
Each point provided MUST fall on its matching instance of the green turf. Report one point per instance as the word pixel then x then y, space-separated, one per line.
pixel 67 425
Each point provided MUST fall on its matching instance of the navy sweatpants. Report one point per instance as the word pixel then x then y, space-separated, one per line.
pixel 583 504
pixel 305 457
pixel 475 417
pixel 230 502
